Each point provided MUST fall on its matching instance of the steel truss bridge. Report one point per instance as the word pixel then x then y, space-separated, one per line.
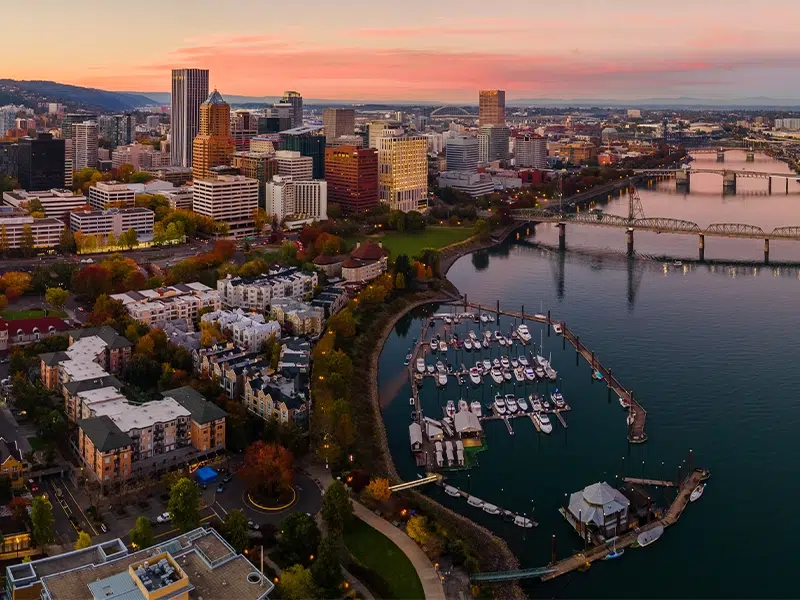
pixel 723 172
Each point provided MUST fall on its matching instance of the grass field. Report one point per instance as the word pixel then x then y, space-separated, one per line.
pixel 398 243
pixel 33 313
pixel 379 554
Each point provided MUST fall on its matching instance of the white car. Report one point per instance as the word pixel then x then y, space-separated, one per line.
pixel 164 518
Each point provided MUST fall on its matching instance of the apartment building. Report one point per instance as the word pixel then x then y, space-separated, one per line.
pixel 114 220
pixel 248 330
pixel 292 164
pixel 283 394
pixel 182 301
pixel 57 203
pixel 297 200
pixel 179 198
pixel 257 293
pixel 229 198
pixel 46 232
pixel 297 317
pixel 366 262
pixel 403 172
pixel 106 194
pixel 84 145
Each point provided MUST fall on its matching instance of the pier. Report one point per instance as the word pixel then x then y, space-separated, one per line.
pixel 655 482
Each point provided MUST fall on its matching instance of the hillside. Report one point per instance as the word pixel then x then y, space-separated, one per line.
pixel 32 92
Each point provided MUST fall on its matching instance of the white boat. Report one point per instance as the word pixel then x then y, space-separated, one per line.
pixel 472 336
pixel 558 328
pixel 523 333
pixel 420 365
pixel 442 379
pixel 496 363
pixel 697 492
pixel 490 508
pixel 523 522
pixel 499 404
pixel 451 491
pixel 431 369
pixel 408 360
pixel 536 404
pixel 507 375
pixel 434 345
pixel 491 318
pixel 540 360
pixel 557 398
pixel 502 341
pixel 519 374
pixel 439 459
pixel 450 409
pixel 448 320
pixel 523 361
pixel 625 404
pixel 677 263
pixel 544 422
pixel 523 404
pixel 475 376
pixel 496 374
pixel 530 374
pixel 468 344
pixel 487 334
pixel 440 366
pixel 540 317
pixel 484 318
pixel 442 346
pixel 476 502
pixel 497 335
pixel 511 403
pixel 539 372
pixel 475 407
pixel 651 535
pixel 476 344
pixel 509 342
pixel 486 364
pixel 550 373
pixel 514 362
pixel 504 362
pixel 463 406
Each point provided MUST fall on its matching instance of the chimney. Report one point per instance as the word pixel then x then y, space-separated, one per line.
pixel 380 244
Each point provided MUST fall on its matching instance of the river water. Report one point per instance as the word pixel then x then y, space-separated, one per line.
pixel 709 351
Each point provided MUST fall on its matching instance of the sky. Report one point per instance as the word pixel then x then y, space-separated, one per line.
pixel 433 50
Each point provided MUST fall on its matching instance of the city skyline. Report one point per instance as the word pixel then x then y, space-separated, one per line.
pixel 625 51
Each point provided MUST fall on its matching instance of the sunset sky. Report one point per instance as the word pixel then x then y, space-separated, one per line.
pixel 419 49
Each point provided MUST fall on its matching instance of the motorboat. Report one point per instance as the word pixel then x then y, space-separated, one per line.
pixel 509 342
pixel 544 423
pixel 448 320
pixel 540 360
pixel 550 372
pixel 545 404
pixel 677 263
pixel 451 491
pixel 536 404
pixel 475 407
pixel 514 334
pixel 468 344
pixel 472 336
pixel 558 328
pixel 487 334
pixel 431 369
pixel 651 535
pixel 511 403
pixel 450 408
pixel 463 406
pixel 697 492
pixel 519 375
pixel 507 375
pixel 540 317
pixel 420 365
pixel 442 379
pixel 497 335
pixel 523 522
pixel 631 418
pixel 502 341
pixel 490 508
pixel 499 404
pixel 530 374
pixel 625 404
pixel 486 364
pixel 504 362
pixel 442 346
pixel 614 554
pixel 539 372
pixel 411 401
pixel 557 398
pixel 491 318
pixel 514 362
pixel 440 366
pixel 484 318
pixel 476 502
pixel 434 345
pixel 496 363
pixel 475 376
pixel 496 374
pixel 523 361
pixel 408 360
pixel 476 344
pixel 523 404
pixel 524 334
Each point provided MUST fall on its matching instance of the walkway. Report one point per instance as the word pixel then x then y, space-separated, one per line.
pixel 431 583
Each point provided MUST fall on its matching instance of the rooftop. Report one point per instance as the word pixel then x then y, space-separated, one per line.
pixel 215 98
pixel 202 411
pixel 303 129
pixel 104 433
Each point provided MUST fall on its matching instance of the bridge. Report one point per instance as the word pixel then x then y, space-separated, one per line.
pixel 451 112
pixel 432 478
pixel 729 176
pixel 500 576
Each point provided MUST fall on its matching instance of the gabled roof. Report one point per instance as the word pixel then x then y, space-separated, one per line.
pixel 369 251
pixel 215 98
pixel 104 433
pixel 9 450
pixel 51 359
pixel 202 410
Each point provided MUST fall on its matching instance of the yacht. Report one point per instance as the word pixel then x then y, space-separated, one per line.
pixel 442 378
pixel 651 535
pixel 558 328
pixel 625 404
pixel 499 404
pixel 448 320
pixel 442 346
pixel 431 369
pixel 463 406
pixel 496 363
pixel 511 403
pixel 518 374
pixel 536 404
pixel 544 422
pixel 497 375
pixel 545 404
pixel 521 521
pixel 523 361
pixel 486 364
pixel 468 344
pixel 522 403
pixel 502 341
pixel 434 345
pixel 476 502
pixel 475 376
pixel 697 492
pixel 550 372
pixel 540 317
pixel 530 374
pixel 557 398
pixel 472 336
pixel 484 318
pixel 507 375
pixel 497 335
pixel 450 409
pixel 539 372
pixel 420 365
pixel 440 366
pixel 514 362
pixel 451 491
pixel 475 407
pixel 476 344
pixel 490 508
pixel 491 318
pixel 504 362
pixel 523 333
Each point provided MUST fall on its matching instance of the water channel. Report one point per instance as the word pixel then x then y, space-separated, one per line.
pixel 708 350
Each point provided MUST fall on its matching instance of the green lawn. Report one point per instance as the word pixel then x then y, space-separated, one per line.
pixel 33 313
pixel 412 243
pixel 379 554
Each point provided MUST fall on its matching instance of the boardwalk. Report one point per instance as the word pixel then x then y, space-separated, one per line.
pixel 656 482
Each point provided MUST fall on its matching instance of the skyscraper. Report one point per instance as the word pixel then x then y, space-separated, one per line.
pixel 379 129
pixel 84 145
pixel 244 127
pixel 462 154
pixel 403 172
pixel 213 145
pixel 40 163
pixel 338 122
pixel 296 100
pixel 306 141
pixel 496 141
pixel 189 89
pixel 352 176
pixel 530 151
pixel 492 107
pixel 119 130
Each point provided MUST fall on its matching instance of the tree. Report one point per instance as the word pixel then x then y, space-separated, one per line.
pixel 417 531
pixel 3 302
pixel 128 239
pixel 329 245
pixel 482 229
pixel 327 568
pixel 268 469
pixel 260 218
pixel 343 323
pixel 84 541
pixel 107 311
pixel 415 221
pixel 14 284
pixel 337 508
pixel 184 501
pixel 378 489
pixel 56 297
pixel 288 252
pixel 66 241
pixel 235 530
pixel 4 245
pixel 43 521
pixel 27 242
pixel 142 533
pixel 402 264
pixel 400 281
pixel 299 538
pixel 18 507
pixel 296 583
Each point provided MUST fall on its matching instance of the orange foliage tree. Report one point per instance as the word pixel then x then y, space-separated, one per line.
pixel 267 469
pixel 14 283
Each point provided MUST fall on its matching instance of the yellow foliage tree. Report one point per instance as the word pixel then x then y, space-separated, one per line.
pixel 416 530
pixel 378 489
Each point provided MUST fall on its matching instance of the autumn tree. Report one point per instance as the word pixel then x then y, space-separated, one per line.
pixel 328 244
pixel 66 241
pixel 4 244
pixel 378 489
pixel 107 311
pixel 142 533
pixel 3 302
pixel 84 541
pixel 14 283
pixel 184 504
pixel 417 531
pixel 27 242
pixel 260 218
pixel 482 229
pixel 343 323
pixel 210 333
pixel 128 239
pixel 56 297
pixel 92 281
pixel 268 469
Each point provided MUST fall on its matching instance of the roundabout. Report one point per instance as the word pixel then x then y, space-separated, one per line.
pixel 286 500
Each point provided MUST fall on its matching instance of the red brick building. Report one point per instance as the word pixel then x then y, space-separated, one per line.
pixel 352 176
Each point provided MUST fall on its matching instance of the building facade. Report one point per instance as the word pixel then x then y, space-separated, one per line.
pixel 213 145
pixel 57 203
pixel 293 164
pixel 496 142
pixel 244 127
pixel 118 130
pixel 107 194
pixel 189 90
pixel 41 163
pixel 261 166
pixel 307 141
pixel 295 101
pixel 462 154
pixel 182 301
pixel 403 172
pixel 352 176
pixel 257 293
pixel 286 198
pixel 46 232
pixel 338 122
pixel 84 145
pixel 492 107
pixel 229 198
pixel 530 151
pixel 114 221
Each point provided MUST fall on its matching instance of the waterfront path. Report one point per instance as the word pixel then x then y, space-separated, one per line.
pixel 431 582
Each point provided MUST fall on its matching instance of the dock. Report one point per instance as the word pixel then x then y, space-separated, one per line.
pixel 503 512
pixel 656 482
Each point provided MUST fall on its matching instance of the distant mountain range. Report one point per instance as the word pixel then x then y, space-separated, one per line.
pixel 679 102
pixel 32 92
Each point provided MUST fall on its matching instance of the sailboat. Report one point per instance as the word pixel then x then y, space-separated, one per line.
pixel 614 552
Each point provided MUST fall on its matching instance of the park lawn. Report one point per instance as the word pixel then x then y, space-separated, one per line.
pixel 33 313
pixel 379 554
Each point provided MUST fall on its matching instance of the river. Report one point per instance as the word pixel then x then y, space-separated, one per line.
pixel 710 353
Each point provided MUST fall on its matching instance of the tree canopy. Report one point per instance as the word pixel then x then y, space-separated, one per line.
pixel 184 504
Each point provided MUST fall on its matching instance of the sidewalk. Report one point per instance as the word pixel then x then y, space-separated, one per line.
pixel 431 583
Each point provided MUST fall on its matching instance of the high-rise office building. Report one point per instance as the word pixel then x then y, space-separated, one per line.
pixel 307 142
pixel 189 90
pixel 403 172
pixel 261 166
pixel 40 163
pixel 118 130
pixel 379 129
pixel 8 159
pixel 302 199
pixel 530 151
pixel 244 127
pixel 462 154
pixel 229 198
pixel 496 140
pixel 338 122
pixel 492 107
pixel 296 101
pixel 294 165
pixel 352 176
pixel 84 145
pixel 213 145
pixel 70 119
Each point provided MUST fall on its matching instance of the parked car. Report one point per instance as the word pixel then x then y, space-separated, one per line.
pixel 253 525
pixel 103 528
pixel 228 477
pixel 32 486
pixel 164 517
pixel 220 488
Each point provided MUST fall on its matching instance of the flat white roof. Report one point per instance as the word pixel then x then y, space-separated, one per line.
pixel 129 416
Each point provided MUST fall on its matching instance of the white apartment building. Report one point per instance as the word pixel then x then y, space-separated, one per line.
pixel 107 194
pixel 474 184
pixel 229 198
pixel 436 142
pixel 114 220
pixel 530 151
pixel 257 293
pixel 249 330
pixel 140 156
pixel 180 301
pixel 179 198
pixel 84 145
pixel 403 172
pixel 56 203
pixel 303 199
pixel 46 232
pixel 790 124
pixel 462 154
pixel 292 164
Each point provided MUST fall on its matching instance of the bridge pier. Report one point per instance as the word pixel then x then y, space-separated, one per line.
pixel 720 156
pixel 787 186
pixel 751 157
pixel 769 185
pixel 701 246
pixel 766 251
pixel 562 236
pixel 629 238
pixel 683 179
pixel 729 180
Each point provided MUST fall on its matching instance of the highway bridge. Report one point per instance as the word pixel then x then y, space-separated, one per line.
pixel 683 177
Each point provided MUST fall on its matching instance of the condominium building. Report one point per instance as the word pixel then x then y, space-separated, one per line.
pixel 118 130
pixel 141 156
pixel 107 194
pixel 295 101
pixel 213 145
pixel 530 151
pixel 403 168
pixel 297 317
pixel 57 203
pixel 379 129
pixel 286 198
pixel 114 221
pixel 84 145
pixel 244 127
pixel 189 90
pixel 462 154
pixel 179 198
pixel 790 124
pixel 492 107
pixel 182 301
pixel 338 122
pixel 229 198
pixel 495 140
pixel 352 176
pixel 46 232
pixel 248 330
pixel 293 164
pixel 41 162
pixel 261 166
pixel 257 293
